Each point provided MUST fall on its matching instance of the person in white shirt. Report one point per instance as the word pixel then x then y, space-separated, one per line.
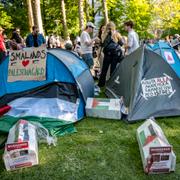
pixel 87 44
pixel 133 38
pixel 77 47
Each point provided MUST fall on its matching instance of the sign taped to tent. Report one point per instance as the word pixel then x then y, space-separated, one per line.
pixel 28 64
pixel 157 87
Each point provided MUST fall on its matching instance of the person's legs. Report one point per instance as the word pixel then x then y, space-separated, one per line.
pixel 88 59
pixel 114 63
pixel 106 63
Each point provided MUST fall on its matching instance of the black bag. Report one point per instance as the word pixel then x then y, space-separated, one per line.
pixel 112 48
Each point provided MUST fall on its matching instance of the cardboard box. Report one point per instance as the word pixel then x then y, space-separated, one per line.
pixel 103 108
pixel 21 149
pixel 156 152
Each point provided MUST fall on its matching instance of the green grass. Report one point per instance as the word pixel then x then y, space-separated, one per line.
pixel 101 149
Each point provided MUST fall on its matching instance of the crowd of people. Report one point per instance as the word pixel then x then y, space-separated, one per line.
pixel 108 47
pixel 101 53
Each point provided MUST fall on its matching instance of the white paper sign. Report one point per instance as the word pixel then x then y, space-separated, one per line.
pixel 160 86
pixel 28 64
pixel 169 57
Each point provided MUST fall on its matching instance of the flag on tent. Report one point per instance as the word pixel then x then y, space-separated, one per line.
pixel 46 105
pixel 169 55
pixel 57 101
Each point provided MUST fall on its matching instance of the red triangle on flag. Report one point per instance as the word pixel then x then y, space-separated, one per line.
pixel 149 139
pixel 169 58
pixel 95 103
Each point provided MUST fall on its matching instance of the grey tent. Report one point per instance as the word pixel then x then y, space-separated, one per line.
pixel 148 85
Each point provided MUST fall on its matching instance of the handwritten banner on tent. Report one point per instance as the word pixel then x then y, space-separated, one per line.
pixel 28 64
pixel 160 86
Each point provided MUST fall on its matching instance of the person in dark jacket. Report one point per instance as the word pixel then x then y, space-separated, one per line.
pixel 17 41
pixel 16 36
pixel 35 39
pixel 111 43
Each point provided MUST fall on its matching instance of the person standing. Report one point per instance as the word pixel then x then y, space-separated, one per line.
pixel 35 39
pixel 16 36
pixel 17 41
pixel 133 38
pixel 77 47
pixel 111 43
pixel 87 44
pixel 100 53
pixel 2 44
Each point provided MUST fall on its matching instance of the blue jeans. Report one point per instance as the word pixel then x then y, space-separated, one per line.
pixel 88 59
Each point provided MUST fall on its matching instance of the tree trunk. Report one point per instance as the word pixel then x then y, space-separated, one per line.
pixel 30 15
pixel 105 10
pixel 37 15
pixel 64 22
pixel 93 10
pixel 87 10
pixel 81 15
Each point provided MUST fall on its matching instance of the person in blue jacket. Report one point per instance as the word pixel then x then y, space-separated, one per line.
pixel 35 39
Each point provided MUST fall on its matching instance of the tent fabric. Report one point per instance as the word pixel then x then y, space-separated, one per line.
pixel 65 91
pixel 79 70
pixel 62 66
pixel 55 126
pixel 146 69
pixel 61 97
pixel 56 102
pixel 4 109
pixel 168 53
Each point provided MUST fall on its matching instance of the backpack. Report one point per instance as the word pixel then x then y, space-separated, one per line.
pixel 112 48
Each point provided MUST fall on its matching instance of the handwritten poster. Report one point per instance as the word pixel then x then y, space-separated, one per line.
pixel 157 87
pixel 28 64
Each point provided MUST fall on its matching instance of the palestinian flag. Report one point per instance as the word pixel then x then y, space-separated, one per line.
pixel 55 106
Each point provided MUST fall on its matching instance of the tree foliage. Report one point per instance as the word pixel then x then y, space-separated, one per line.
pixel 53 16
pixel 140 12
pixel 17 10
pixel 116 10
pixel 148 15
pixel 166 15
pixel 5 19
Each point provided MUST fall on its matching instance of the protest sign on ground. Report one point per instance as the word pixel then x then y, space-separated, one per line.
pixel 104 108
pixel 156 152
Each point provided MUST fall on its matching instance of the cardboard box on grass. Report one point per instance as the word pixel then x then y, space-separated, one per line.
pixel 21 149
pixel 104 108
pixel 156 152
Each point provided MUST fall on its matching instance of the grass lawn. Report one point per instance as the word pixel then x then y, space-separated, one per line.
pixel 101 149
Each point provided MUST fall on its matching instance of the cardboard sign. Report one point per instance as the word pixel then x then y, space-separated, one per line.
pixel 157 87
pixel 156 152
pixel 169 57
pixel 27 65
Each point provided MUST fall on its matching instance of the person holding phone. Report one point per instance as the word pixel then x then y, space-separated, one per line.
pixel 87 44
